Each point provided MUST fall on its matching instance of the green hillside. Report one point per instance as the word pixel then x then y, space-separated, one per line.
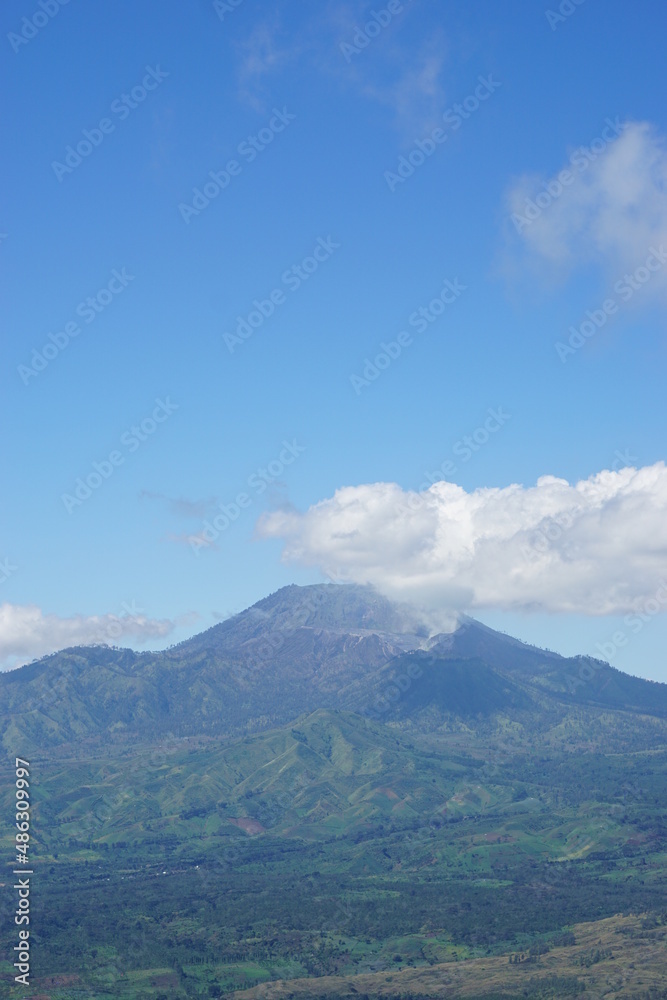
pixel 330 847
pixel 356 806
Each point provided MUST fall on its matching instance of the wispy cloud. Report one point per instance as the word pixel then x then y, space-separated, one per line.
pixel 410 86
pixel 262 54
pixel 596 547
pixel 607 206
pixel 181 506
pixel 196 540
pixel 398 73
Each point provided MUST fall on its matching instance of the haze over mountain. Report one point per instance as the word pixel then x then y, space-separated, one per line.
pixel 307 648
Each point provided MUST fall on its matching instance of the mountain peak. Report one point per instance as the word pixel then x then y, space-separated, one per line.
pixel 330 605
pixel 301 649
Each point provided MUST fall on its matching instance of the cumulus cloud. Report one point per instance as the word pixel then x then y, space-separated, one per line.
pixel 596 547
pixel 27 632
pixel 610 206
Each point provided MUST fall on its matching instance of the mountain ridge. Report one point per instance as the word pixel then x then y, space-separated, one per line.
pixel 304 793
pixel 299 650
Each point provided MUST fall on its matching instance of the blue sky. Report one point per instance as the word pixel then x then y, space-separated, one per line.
pixel 316 108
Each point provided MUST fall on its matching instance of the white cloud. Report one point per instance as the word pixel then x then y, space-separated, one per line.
pixel 26 632
pixel 597 547
pixel 612 211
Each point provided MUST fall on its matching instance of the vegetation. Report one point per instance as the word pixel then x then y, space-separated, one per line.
pixel 484 838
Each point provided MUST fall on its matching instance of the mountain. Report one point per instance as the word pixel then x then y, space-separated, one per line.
pixel 300 650
pixel 355 610
pixel 321 797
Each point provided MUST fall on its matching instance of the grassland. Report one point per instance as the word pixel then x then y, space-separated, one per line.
pixel 617 957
